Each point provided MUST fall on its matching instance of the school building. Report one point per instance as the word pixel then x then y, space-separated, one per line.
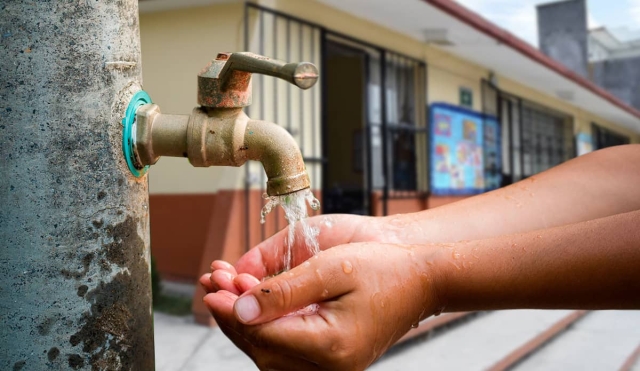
pixel 419 103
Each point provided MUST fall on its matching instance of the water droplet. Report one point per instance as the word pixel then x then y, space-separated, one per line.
pixel 415 325
pixel 347 267
pixel 325 293
pixel 438 312
pixel 456 255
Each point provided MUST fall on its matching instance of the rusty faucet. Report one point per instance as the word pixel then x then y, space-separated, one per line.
pixel 219 133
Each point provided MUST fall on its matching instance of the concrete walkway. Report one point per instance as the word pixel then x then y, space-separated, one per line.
pixel 599 341
pixel 182 345
pixel 476 345
pixel 602 340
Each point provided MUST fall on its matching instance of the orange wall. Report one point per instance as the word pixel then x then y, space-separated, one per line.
pixel 179 225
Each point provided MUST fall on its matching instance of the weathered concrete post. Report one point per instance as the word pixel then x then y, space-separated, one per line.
pixel 74 230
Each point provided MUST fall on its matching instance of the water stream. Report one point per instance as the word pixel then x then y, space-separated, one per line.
pixel 295 212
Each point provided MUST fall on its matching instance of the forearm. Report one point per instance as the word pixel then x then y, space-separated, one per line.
pixel 588 265
pixel 593 186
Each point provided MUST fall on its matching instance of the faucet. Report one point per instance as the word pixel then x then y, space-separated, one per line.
pixel 218 132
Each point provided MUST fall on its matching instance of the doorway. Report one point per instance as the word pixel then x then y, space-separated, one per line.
pixel 344 136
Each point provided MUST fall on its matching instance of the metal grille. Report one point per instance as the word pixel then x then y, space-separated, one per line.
pixel 534 138
pixel 406 130
pixel 397 132
pixel 603 138
pixel 279 36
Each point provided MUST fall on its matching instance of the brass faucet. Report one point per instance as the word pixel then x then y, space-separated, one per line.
pixel 219 133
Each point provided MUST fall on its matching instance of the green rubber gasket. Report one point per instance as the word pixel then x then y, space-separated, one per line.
pixel 129 131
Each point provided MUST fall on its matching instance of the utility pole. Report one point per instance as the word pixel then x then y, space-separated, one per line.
pixel 75 287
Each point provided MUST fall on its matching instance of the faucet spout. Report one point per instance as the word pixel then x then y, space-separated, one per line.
pixel 222 137
pixel 219 133
pixel 280 156
pixel 227 137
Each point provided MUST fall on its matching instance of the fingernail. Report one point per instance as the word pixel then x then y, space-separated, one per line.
pixel 247 308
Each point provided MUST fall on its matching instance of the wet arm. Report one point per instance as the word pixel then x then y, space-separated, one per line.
pixel 593 186
pixel 588 265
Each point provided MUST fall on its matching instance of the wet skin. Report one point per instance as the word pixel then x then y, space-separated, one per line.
pixel 378 276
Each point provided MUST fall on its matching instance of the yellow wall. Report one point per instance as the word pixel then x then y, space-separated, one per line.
pixel 176 44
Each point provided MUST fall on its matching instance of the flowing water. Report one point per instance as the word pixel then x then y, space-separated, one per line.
pixel 295 211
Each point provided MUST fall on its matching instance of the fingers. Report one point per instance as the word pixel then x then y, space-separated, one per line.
pixel 312 282
pixel 205 282
pixel 223 265
pixel 223 280
pixel 267 257
pixel 267 356
pixel 295 335
pixel 220 305
pixel 245 282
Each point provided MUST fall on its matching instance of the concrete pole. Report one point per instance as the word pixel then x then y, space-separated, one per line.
pixel 74 230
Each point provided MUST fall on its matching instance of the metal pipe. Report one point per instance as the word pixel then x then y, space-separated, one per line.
pixel 279 154
pixel 222 137
pixel 74 223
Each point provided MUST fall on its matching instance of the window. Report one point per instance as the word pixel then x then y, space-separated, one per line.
pixel 534 138
pixel 547 139
pixel 603 138
pixel 402 79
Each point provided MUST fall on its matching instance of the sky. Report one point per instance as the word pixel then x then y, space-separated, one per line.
pixel 622 17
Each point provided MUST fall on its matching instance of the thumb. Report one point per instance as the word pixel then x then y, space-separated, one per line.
pixel 314 281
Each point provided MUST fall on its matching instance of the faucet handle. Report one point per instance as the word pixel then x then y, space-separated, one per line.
pixel 303 75
pixel 226 81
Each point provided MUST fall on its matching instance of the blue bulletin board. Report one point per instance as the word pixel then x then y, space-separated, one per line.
pixel 462 141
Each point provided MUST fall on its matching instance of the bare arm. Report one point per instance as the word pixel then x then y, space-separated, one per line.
pixel 588 265
pixel 370 294
pixel 600 184
pixel 596 185
pixel 567 238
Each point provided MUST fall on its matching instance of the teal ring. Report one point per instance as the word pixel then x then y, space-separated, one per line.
pixel 128 141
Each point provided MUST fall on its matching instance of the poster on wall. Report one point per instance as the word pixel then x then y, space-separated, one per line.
pixel 462 141
pixel 584 143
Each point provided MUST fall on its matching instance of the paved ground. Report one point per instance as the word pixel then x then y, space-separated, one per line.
pixel 476 345
pixel 182 345
pixel 599 341
pixel 602 340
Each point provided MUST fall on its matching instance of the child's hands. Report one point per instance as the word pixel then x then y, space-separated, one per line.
pixel 369 295
pixel 267 258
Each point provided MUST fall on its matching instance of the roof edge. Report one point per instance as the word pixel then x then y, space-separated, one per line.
pixel 481 24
